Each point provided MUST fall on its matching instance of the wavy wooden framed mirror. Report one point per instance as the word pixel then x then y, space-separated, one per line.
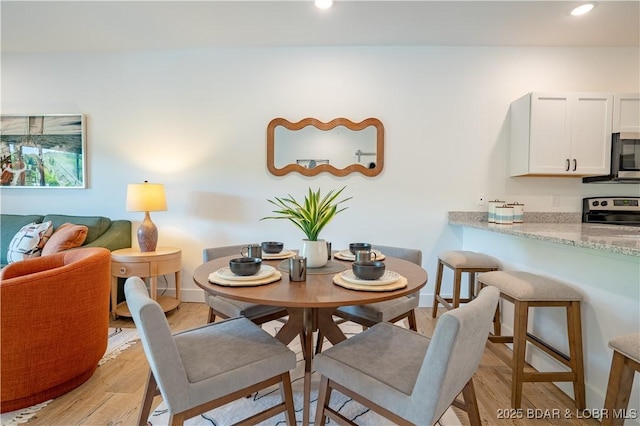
pixel 339 147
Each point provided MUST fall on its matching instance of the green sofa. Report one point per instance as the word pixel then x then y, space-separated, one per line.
pixel 102 232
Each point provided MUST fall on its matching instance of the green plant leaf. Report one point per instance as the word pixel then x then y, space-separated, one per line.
pixel 313 214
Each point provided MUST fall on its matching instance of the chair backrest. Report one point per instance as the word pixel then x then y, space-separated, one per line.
pixel 412 255
pixel 217 252
pixel 159 347
pixel 454 354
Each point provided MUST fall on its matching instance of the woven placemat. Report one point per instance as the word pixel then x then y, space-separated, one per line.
pixel 400 283
pixel 331 267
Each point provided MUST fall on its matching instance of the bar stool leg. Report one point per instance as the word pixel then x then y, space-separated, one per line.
pixel 618 389
pixel 574 330
pixel 436 292
pixel 521 311
pixel 457 283
pixel 472 285
pixel 497 325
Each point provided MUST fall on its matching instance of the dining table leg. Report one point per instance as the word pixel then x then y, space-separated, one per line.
pixel 304 322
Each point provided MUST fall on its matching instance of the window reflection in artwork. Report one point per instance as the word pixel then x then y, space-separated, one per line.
pixel 42 151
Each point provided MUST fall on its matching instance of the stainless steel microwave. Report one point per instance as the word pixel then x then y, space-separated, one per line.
pixel 625 160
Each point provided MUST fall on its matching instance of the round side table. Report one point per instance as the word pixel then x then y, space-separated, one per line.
pixel 131 262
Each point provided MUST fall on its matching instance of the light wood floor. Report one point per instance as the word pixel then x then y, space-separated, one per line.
pixel 112 395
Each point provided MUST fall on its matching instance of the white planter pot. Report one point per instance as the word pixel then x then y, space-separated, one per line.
pixel 315 252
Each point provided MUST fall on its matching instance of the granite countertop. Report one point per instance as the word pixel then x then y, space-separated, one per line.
pixel 560 228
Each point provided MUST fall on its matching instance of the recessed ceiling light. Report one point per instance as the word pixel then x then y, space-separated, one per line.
pixel 324 4
pixel 582 9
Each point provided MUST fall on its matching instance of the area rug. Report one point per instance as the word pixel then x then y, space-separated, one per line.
pixel 241 409
pixel 119 339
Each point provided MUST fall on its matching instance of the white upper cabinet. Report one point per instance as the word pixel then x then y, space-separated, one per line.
pixel 626 112
pixel 561 134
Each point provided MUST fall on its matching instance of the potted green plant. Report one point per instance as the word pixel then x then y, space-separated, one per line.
pixel 310 216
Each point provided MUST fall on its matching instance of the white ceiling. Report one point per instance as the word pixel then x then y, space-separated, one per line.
pixel 86 26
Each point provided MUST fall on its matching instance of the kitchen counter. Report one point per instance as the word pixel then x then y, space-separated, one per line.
pixel 608 238
pixel 600 261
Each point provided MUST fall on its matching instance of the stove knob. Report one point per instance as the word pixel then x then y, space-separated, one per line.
pixel 596 203
pixel 604 204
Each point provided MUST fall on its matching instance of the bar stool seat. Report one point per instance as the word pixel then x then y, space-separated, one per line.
pixel 526 286
pixel 624 364
pixel 525 290
pixel 460 261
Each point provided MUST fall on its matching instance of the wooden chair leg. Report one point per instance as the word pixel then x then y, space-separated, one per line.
pixel 574 330
pixel 319 342
pixel 436 292
pixel 150 391
pixel 324 395
pixel 521 310
pixel 413 325
pixel 176 419
pixel 287 397
pixel 471 403
pixel 212 316
pixel 618 389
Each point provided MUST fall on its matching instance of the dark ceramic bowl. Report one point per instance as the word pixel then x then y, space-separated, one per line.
pixel 272 247
pixel 371 270
pixel 245 265
pixel 354 247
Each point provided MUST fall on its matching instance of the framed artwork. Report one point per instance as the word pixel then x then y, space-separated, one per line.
pixel 42 151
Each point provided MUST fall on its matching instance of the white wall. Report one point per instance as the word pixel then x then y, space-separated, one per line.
pixel 196 121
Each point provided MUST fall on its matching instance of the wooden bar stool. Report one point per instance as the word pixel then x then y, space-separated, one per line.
pixel 460 261
pixel 525 290
pixel 624 364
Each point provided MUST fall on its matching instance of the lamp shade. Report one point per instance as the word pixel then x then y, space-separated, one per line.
pixel 146 197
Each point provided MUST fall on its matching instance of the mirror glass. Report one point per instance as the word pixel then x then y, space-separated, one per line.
pixel 338 147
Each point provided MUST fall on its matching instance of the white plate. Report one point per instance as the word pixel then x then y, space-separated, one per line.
pixel 347 255
pixel 264 272
pixel 387 278
pixel 284 254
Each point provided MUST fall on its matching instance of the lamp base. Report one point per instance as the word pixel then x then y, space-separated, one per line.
pixel 147 234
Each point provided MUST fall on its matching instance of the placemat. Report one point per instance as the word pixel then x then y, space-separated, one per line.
pixel 330 268
pixel 347 255
pixel 216 279
pixel 401 283
pixel 285 254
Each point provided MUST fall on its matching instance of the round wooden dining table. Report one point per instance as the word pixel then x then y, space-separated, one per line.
pixel 310 304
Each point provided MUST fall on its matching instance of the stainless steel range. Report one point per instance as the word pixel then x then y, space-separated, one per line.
pixel 611 210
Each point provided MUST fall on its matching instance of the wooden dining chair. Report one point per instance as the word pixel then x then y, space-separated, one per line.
pixel 207 367
pixel 392 310
pixel 417 384
pixel 224 307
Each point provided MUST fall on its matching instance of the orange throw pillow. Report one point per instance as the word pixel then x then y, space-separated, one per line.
pixel 66 237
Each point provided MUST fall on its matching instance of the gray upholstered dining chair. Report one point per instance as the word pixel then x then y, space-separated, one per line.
pixel 224 307
pixel 392 310
pixel 405 376
pixel 206 367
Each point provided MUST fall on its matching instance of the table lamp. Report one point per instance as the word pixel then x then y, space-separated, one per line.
pixel 146 197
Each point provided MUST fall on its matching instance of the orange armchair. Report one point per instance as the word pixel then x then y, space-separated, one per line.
pixel 54 320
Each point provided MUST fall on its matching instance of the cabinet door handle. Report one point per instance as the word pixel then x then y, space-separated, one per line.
pixel 123 270
pixel 575 164
pixel 566 169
